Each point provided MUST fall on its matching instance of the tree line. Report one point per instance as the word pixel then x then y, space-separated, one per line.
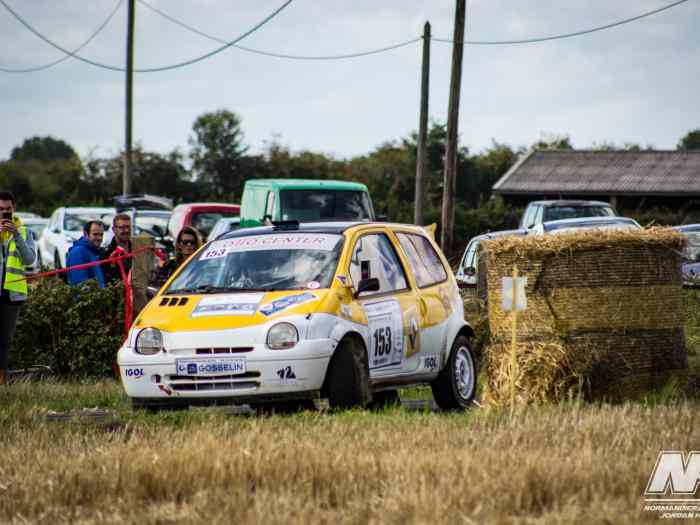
pixel 45 172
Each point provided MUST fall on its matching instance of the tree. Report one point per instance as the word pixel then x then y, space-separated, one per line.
pixel 690 141
pixel 217 153
pixel 550 141
pixel 44 149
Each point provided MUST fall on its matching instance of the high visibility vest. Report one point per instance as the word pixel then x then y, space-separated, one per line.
pixel 14 268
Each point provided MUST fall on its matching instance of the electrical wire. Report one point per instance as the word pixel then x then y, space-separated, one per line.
pixel 66 57
pixel 277 55
pixel 153 69
pixel 565 35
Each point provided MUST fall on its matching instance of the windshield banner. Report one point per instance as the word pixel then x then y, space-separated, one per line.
pixel 282 241
pixel 229 304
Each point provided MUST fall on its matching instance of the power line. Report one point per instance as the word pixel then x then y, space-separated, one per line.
pixel 565 35
pixel 278 55
pixel 66 57
pixel 153 69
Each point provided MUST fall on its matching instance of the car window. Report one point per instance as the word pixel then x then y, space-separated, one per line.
pixel 538 215
pixel 554 213
pixel 424 260
pixel 205 221
pixel 374 257
pixel 315 205
pixel 270 205
pixel 692 249
pixel 528 216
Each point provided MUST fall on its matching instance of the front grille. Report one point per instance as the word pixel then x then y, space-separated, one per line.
pixel 244 381
pixel 173 301
pixel 209 378
pixel 224 350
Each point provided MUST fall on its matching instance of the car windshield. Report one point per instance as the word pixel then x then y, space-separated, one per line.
pixel 322 205
pixel 36 228
pixel 205 221
pixel 75 222
pixel 692 249
pixel 277 261
pixel 147 222
pixel 555 213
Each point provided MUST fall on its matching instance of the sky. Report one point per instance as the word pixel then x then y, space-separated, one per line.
pixel 636 83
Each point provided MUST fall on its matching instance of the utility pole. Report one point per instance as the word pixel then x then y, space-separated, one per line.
pixel 422 159
pixel 450 178
pixel 126 178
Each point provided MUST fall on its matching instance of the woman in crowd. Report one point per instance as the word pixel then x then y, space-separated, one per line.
pixel 188 241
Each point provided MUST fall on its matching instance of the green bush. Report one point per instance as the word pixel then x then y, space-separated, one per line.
pixel 74 330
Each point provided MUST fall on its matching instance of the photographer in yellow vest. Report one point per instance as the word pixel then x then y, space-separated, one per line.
pixel 16 251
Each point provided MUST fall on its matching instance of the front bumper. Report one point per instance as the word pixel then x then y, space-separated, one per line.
pixel 297 373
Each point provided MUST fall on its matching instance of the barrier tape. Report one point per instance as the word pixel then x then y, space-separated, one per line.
pixel 116 257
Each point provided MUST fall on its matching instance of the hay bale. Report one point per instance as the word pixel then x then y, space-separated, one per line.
pixel 603 307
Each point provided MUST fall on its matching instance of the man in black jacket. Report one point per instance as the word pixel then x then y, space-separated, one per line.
pixel 121 243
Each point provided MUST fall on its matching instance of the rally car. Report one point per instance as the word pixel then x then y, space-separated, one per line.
pixel 291 313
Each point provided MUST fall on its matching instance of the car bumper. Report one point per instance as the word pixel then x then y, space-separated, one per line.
pixel 297 373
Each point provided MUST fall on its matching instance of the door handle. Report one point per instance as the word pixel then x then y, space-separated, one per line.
pixel 423 306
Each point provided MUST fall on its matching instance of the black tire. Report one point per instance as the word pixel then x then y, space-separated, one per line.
pixel 455 387
pixel 385 399
pixel 347 379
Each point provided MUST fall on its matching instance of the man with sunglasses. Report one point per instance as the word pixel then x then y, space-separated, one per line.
pixel 121 244
pixel 188 241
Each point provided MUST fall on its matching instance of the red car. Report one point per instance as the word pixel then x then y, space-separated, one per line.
pixel 200 215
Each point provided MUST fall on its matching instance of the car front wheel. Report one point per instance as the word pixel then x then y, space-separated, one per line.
pixel 347 379
pixel 455 386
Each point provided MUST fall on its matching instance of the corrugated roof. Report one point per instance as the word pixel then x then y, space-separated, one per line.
pixel 604 172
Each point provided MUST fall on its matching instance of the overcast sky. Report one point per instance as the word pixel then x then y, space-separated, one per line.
pixel 634 83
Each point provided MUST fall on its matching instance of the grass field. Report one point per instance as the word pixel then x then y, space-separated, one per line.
pixel 570 463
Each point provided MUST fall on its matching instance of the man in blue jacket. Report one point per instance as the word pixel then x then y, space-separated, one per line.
pixel 86 250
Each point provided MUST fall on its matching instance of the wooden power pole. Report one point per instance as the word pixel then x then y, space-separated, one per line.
pixel 450 178
pixel 422 159
pixel 126 177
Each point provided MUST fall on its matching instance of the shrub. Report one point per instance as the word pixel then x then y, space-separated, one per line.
pixel 75 331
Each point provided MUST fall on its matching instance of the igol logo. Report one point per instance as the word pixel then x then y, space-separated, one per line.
pixel 134 372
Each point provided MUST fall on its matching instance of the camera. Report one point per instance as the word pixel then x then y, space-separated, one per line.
pixel 6 215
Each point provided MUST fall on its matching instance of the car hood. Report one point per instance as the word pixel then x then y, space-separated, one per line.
pixel 182 312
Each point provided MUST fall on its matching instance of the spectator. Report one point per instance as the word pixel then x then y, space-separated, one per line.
pixel 17 251
pixel 121 244
pixel 188 241
pixel 86 250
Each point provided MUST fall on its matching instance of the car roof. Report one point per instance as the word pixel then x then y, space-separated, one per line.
pixel 96 210
pixel 195 205
pixel 34 220
pixel 688 227
pixel 501 233
pixel 570 202
pixel 320 227
pixel 301 184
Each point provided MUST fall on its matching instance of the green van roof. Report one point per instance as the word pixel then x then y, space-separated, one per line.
pixel 306 184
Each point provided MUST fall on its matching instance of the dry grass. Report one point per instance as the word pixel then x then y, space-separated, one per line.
pixel 570 463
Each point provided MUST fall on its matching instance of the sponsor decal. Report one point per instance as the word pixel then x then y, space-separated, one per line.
pixel 286 376
pixel 286 302
pixel 673 485
pixel 165 390
pixel 342 279
pixel 210 366
pixel 282 241
pixel 386 334
pixel 430 362
pixel 346 311
pixel 413 337
pixel 228 304
pixel 313 285
pixel 136 373
pixel 286 373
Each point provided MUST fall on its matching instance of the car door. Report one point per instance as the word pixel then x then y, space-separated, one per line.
pixel 392 310
pixel 436 295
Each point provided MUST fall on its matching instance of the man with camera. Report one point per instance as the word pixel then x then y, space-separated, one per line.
pixel 16 251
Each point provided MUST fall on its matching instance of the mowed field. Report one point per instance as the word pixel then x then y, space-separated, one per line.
pixel 569 463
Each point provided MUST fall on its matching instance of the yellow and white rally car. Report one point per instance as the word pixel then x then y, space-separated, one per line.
pixel 286 314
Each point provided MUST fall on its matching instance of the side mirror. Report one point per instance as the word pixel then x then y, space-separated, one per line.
pixel 470 271
pixel 367 285
pixel 158 230
pixel 381 218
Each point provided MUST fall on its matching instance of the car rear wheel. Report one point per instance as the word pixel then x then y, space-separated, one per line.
pixel 347 379
pixel 455 386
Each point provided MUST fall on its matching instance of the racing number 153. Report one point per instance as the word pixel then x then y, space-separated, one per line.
pixel 382 341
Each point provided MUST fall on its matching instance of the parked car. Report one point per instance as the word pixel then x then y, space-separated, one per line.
pixel 284 314
pixel 538 212
pixel 66 226
pixel 691 254
pixel 149 214
pixel 224 225
pixel 604 223
pixel 467 272
pixel 27 215
pixel 271 200
pixel 200 215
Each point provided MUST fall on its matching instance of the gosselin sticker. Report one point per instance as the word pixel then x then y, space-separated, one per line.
pixel 283 241
pixel 230 304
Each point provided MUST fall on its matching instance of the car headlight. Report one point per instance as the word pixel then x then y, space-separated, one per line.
pixel 282 336
pixel 149 341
